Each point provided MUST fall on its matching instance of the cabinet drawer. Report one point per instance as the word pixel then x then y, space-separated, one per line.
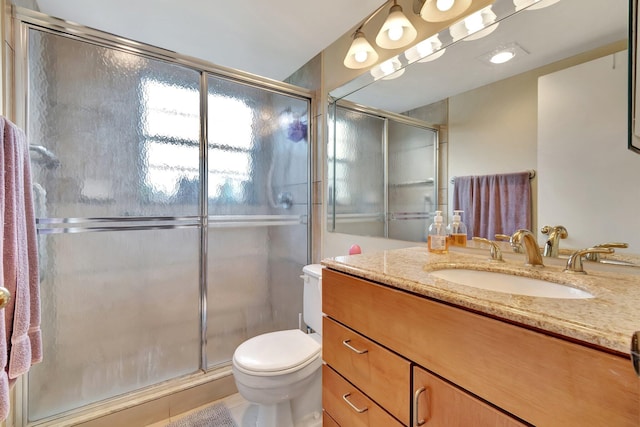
pixel 348 406
pixel 439 403
pixel 370 367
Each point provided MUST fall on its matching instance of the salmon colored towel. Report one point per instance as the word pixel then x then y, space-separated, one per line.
pixel 20 337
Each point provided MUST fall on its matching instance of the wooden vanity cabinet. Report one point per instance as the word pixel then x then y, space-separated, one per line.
pixel 483 363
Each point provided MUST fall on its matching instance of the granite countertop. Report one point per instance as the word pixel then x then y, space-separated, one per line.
pixel 607 320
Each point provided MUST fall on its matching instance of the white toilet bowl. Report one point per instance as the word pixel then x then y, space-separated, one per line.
pixel 280 372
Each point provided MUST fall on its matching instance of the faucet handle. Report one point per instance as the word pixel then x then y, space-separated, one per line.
pixel 574 263
pixel 507 238
pixel 495 254
pixel 560 230
pixel 595 256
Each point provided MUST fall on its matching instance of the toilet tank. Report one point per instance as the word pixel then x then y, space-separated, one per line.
pixel 312 300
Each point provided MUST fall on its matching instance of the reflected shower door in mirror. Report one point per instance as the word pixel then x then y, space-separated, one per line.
pixel 504 118
pixel 634 73
pixel 382 174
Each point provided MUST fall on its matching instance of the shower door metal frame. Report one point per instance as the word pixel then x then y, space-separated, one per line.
pixel 25 19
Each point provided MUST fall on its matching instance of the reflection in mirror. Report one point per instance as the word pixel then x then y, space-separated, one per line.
pixel 558 107
pixel 382 174
pixel 634 99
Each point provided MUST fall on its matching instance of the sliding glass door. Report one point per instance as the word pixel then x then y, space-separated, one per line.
pixel 173 213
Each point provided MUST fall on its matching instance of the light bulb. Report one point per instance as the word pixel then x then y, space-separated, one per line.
pixel 360 56
pixel 444 5
pixel 395 33
pixel 387 67
pixel 474 22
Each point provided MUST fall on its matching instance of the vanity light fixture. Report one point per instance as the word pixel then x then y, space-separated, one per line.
pixel 397 31
pixel 388 70
pixel 361 54
pixel 443 10
pixel 475 26
pixel 425 51
pixel 533 4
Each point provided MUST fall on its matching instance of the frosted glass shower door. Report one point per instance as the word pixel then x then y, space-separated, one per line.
pixel 412 180
pixel 356 162
pixel 116 166
pixel 258 194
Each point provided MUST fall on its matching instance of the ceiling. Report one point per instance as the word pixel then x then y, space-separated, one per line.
pixel 269 38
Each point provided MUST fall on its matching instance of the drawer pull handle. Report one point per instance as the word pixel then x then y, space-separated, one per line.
pixel 352 348
pixel 345 397
pixel 417 422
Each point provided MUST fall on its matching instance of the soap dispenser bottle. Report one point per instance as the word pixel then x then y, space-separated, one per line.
pixel 437 241
pixel 457 231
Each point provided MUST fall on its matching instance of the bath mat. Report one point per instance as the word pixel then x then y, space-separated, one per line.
pixel 216 415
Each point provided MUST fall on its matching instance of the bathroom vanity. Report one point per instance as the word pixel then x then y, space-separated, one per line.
pixel 402 347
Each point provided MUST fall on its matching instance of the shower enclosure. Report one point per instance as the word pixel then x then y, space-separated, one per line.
pixel 383 171
pixel 172 204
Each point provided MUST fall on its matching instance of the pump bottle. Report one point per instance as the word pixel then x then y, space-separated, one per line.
pixel 457 231
pixel 437 241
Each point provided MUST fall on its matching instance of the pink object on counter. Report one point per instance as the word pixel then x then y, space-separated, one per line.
pixel 355 250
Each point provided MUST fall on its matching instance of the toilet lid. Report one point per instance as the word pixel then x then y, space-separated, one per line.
pixel 276 351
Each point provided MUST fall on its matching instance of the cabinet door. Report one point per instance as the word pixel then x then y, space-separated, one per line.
pixel 348 406
pixel 383 375
pixel 327 421
pixel 439 403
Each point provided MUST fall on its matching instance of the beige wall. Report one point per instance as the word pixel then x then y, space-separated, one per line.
pixel 588 177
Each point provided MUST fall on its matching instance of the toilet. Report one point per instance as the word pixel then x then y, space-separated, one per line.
pixel 280 372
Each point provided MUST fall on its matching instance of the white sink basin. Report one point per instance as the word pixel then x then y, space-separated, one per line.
pixel 510 284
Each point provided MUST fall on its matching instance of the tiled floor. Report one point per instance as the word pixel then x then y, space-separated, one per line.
pixel 238 407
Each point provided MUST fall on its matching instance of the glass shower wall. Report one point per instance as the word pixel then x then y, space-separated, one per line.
pixel 108 262
pixel 258 172
pixel 127 246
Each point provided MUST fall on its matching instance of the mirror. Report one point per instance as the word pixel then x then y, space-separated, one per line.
pixel 559 108
pixel 634 99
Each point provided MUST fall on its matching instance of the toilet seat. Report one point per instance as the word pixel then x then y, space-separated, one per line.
pixel 276 353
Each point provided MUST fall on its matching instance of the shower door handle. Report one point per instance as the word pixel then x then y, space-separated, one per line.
pixel 5 297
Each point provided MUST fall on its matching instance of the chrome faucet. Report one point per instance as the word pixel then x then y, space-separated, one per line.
pixel 495 254
pixel 574 263
pixel 526 240
pixel 553 242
